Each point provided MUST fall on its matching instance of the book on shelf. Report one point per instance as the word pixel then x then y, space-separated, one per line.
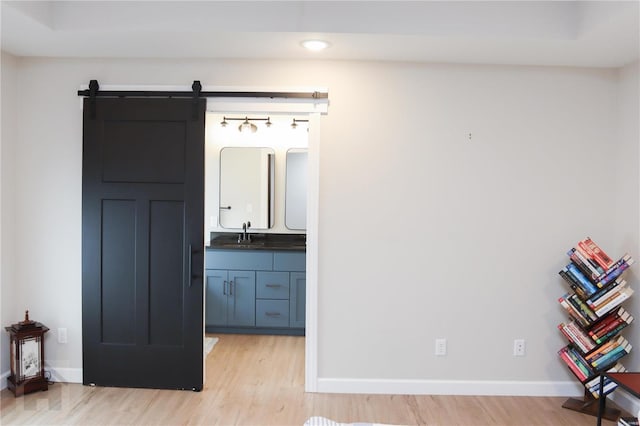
pixel 595 252
pixel 593 385
pixel 615 273
pixel 628 421
pixel 611 325
pixel 612 355
pixel 606 291
pixel 591 270
pixel 577 336
pixel 587 312
pixel 573 283
pixel 576 364
pixel 605 348
pixel 608 296
pixel 582 281
pixel 623 295
pixel 573 311
pixel 588 257
pixel 624 259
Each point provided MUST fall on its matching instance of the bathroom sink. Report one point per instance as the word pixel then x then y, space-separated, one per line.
pixel 260 242
pixel 232 241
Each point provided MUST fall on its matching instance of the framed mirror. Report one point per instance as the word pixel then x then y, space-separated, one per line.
pixel 246 187
pixel 295 215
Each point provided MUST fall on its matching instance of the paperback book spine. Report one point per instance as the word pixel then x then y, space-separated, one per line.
pixel 583 337
pixel 605 349
pixel 613 331
pixel 583 263
pixel 571 364
pixel 593 385
pixel 604 292
pixel 598 254
pixel 611 356
pixel 573 283
pixel 584 282
pixel 610 276
pixel 573 312
pixel 586 311
pixel 587 256
pixel 624 295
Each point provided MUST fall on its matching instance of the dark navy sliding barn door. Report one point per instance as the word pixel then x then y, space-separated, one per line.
pixel 142 242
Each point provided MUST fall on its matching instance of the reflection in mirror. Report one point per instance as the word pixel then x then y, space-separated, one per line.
pixel 246 187
pixel 295 215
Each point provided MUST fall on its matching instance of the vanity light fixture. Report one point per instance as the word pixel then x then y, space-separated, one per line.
pixel 246 125
pixel 315 45
pixel 294 125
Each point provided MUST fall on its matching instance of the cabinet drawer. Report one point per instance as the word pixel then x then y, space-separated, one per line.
pixel 272 313
pixel 272 285
pixel 246 260
pixel 295 262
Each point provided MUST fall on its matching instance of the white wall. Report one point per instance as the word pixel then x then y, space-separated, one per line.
pixel 9 311
pixel 423 232
pixel 627 202
pixel 466 236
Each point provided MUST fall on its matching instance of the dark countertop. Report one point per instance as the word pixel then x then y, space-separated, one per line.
pixel 291 242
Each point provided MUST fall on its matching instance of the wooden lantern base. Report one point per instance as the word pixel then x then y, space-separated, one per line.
pixel 28 386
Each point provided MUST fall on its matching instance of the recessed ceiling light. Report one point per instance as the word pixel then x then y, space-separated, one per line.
pixel 315 45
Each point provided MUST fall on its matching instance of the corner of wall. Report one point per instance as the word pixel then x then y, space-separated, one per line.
pixel 8 131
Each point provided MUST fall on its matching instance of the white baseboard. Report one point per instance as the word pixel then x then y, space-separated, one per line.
pixel 65 375
pixel 3 379
pixel 449 387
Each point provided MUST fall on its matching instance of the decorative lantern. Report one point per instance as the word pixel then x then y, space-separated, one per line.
pixel 27 357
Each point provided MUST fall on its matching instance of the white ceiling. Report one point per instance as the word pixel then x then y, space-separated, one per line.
pixel 566 33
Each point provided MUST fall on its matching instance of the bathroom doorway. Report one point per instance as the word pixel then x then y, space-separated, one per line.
pixel 307 123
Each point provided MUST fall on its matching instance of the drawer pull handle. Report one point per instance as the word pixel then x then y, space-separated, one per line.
pixel 273 314
pixel 273 285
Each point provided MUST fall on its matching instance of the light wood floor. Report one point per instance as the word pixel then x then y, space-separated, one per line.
pixel 258 380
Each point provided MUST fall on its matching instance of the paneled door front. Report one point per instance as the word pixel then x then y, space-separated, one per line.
pixel 142 242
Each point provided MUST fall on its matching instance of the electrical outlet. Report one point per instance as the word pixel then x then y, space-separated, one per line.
pixel 441 347
pixel 519 347
pixel 62 335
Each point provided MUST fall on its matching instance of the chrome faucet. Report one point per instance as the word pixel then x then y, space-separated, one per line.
pixel 245 236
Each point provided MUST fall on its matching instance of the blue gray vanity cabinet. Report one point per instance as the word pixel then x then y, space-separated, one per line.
pixel 297 299
pixel 272 299
pixel 230 298
pixel 278 298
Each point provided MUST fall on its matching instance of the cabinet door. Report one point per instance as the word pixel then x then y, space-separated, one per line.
pixel 241 307
pixel 297 299
pixel 216 297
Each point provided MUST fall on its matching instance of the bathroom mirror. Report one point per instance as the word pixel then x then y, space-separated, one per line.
pixel 295 215
pixel 246 187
